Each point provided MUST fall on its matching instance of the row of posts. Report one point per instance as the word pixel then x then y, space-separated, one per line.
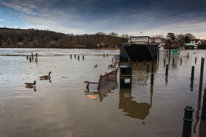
pixel 32 57
pixel 77 56
pixel 187 125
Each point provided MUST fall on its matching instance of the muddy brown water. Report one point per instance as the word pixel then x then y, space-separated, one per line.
pixel 62 106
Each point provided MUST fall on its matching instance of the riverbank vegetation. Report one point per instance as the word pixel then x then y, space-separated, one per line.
pixel 34 38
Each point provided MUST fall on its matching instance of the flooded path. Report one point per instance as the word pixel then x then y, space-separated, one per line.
pixel 62 106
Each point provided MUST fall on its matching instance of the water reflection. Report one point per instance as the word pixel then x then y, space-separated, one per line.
pixel 50 81
pixel 31 88
pixel 202 129
pixel 103 91
pixel 191 84
pixel 166 80
pixel 197 114
pixel 132 108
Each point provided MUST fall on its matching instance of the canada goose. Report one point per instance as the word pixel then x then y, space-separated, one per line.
pixel 46 76
pixel 31 84
pixel 95 66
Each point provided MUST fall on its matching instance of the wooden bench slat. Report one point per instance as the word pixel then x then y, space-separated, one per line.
pixel 100 79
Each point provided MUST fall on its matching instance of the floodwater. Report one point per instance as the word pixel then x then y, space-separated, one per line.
pixel 63 107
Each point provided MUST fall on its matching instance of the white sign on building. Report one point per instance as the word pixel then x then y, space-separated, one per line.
pixel 145 39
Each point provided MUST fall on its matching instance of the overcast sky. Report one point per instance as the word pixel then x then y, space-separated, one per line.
pixel 121 16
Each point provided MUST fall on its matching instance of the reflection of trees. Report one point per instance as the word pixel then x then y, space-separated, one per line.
pixel 103 91
pixel 134 109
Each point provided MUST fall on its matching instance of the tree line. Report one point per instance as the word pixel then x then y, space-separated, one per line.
pixel 34 38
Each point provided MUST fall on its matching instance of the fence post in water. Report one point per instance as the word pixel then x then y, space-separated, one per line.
pixel 195 60
pixel 83 57
pixel 147 67
pixel 180 60
pixel 27 57
pixel 78 57
pixel 201 76
pixel 106 55
pixel 203 115
pixel 166 73
pixel 187 55
pixel 103 55
pixel 187 124
pixel 70 56
pixel 192 73
pixel 74 55
pixel 30 59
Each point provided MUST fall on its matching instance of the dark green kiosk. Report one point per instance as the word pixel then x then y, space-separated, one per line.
pixel 125 76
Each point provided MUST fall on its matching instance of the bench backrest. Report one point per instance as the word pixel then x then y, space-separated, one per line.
pixel 104 79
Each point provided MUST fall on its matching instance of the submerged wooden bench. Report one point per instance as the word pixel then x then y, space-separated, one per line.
pixel 103 79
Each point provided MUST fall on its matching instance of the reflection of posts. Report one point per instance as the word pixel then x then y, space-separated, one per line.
pixel 203 115
pixel 166 79
pixel 197 114
pixel 191 84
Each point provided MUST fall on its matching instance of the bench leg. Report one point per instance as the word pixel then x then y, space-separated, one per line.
pixel 87 85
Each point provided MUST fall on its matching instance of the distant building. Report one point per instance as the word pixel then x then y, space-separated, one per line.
pixel 19 43
pixel 196 41
pixel 80 46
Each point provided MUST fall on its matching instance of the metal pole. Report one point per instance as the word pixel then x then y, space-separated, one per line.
pixel 187 125
pixel 195 60
pixel 201 77
pixel 166 73
pixel 192 73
